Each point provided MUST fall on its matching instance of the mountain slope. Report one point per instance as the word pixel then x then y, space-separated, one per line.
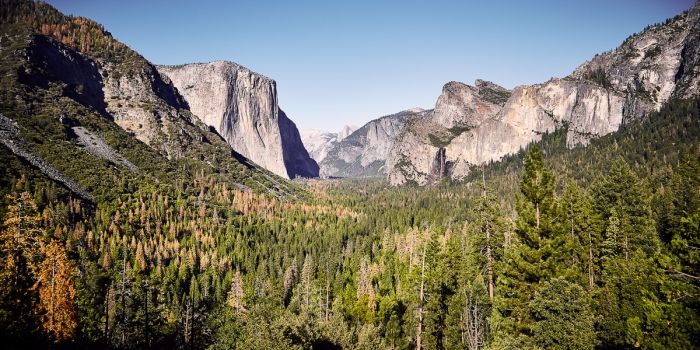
pixel 241 106
pixel 364 152
pixel 90 109
pixel 596 99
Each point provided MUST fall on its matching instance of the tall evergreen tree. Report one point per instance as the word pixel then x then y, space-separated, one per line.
pixel 582 226
pixel 535 257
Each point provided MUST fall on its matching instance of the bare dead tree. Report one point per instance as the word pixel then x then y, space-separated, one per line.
pixel 474 322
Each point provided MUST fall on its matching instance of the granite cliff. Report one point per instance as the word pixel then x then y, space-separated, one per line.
pixel 318 142
pixel 241 106
pixel 471 125
pixel 364 152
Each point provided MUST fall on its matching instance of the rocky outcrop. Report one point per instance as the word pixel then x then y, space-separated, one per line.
pixel 345 132
pixel 95 109
pixel 129 92
pixel 296 159
pixel 53 62
pixel 481 123
pixel 11 139
pixel 364 152
pixel 464 105
pixel 96 145
pixel 242 106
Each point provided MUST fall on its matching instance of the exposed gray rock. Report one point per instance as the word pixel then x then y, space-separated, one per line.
pixel 598 97
pixel 318 142
pixel 464 105
pixel 242 106
pixel 364 152
pixel 11 139
pixel 345 132
pixel 96 145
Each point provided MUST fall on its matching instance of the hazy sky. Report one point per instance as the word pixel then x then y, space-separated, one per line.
pixel 347 62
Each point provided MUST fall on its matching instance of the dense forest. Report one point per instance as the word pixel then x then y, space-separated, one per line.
pixel 548 249
pixel 594 247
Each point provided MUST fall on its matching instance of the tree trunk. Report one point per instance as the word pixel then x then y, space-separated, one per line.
pixel 106 333
pixel 489 259
pixel 327 299
pixel 489 262
pixel 419 330
pixel 590 261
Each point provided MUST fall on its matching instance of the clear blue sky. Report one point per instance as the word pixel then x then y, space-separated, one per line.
pixel 347 62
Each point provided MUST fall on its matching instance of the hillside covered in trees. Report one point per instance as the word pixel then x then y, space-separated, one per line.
pixel 594 247
pixel 553 264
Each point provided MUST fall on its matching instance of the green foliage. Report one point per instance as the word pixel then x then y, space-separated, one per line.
pixel 598 76
pixel 563 316
pixel 180 255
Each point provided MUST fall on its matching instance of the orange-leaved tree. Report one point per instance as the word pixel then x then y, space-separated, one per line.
pixel 56 288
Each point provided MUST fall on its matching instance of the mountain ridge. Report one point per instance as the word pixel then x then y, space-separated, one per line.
pixel 70 74
pixel 624 84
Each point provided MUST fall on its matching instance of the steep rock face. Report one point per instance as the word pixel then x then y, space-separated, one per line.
pixel 54 62
pixel 687 76
pixel 464 105
pixel 149 107
pixel 296 158
pixel 242 106
pixel 131 93
pixel 598 97
pixel 364 152
pixel 318 142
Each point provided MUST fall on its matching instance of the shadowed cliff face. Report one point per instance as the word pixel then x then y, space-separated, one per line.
pixel 296 158
pixel 51 62
pixel 481 123
pixel 242 106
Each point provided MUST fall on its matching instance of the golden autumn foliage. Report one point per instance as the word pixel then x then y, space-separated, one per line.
pixel 236 294
pixel 20 238
pixel 56 289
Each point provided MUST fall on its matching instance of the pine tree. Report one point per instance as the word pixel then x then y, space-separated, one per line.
pixel 563 316
pixel 290 280
pixel 582 226
pixel 21 239
pixel 441 283
pixel 308 270
pixel 236 294
pixel 535 258
pixel 621 192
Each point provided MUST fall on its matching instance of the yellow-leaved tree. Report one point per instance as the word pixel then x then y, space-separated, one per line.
pixel 20 243
pixel 20 240
pixel 56 289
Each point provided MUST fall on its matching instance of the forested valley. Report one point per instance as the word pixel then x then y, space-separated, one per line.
pixel 184 243
pixel 593 247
